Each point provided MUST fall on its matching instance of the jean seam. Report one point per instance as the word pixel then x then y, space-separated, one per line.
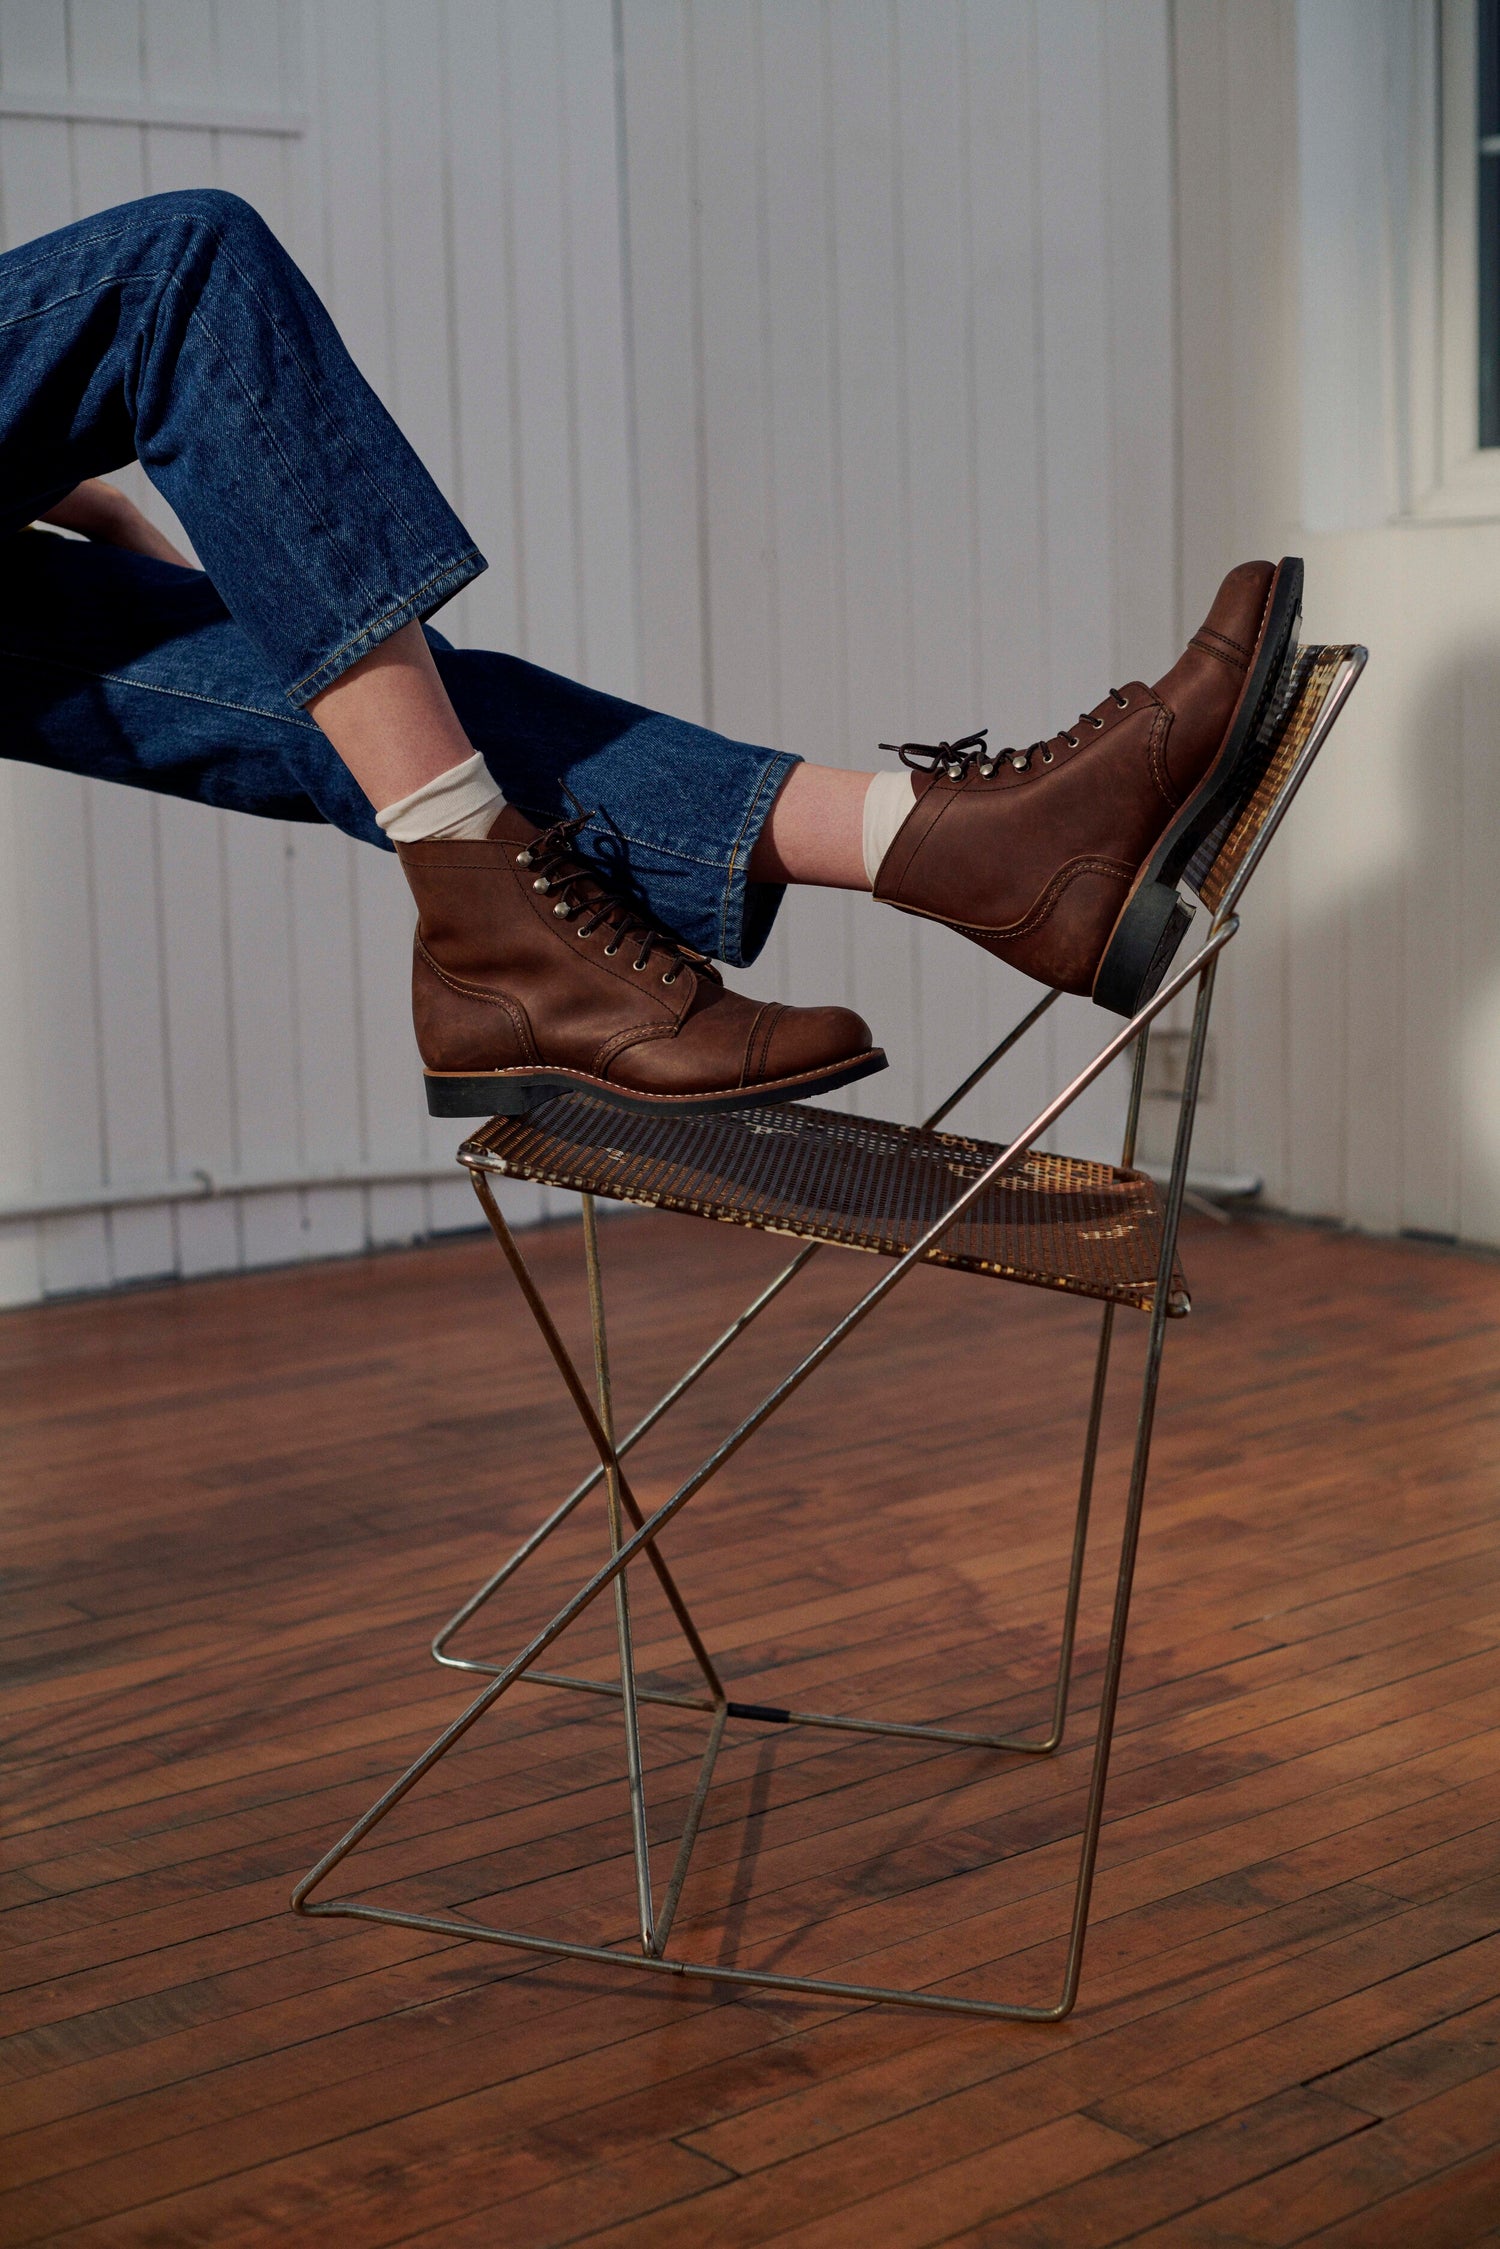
pixel 778 761
pixel 306 373
pixel 318 514
pixel 405 607
pixel 662 850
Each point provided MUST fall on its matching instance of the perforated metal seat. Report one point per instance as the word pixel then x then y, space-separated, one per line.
pixel 1055 1222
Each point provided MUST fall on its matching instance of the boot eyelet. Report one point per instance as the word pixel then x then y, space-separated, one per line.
pixel 524 858
pixel 1121 702
pixel 1049 757
pixel 610 951
pixel 671 976
pixel 987 769
pixel 1021 760
pixel 563 909
pixel 543 885
pixel 1071 740
pixel 1096 723
pixel 638 966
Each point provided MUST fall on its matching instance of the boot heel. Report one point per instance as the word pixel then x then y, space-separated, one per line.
pixel 484 1097
pixel 1140 951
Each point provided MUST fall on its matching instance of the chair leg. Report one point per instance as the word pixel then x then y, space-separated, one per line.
pixel 635 1776
pixel 1114 1658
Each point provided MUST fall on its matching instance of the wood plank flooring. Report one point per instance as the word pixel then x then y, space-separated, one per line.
pixel 234 1512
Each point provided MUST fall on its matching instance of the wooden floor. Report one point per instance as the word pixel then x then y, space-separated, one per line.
pixel 235 1511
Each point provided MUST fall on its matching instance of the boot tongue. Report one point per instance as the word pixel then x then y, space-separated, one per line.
pixel 511 826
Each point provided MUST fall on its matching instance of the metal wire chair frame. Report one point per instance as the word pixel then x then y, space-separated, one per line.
pixel 1240 850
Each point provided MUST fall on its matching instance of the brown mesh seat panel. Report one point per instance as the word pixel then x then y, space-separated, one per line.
pixel 1284 737
pixel 1056 1222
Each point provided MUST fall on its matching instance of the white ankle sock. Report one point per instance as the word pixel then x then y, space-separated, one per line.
pixel 460 805
pixel 888 800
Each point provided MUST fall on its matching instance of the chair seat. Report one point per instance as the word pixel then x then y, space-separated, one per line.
pixel 1056 1222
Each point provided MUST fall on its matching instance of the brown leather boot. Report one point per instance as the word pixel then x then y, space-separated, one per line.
pixel 1064 859
pixel 532 978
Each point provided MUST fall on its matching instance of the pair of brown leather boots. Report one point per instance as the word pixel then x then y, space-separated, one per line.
pixel 533 977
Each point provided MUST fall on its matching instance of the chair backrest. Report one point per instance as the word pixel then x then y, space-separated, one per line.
pixel 1293 733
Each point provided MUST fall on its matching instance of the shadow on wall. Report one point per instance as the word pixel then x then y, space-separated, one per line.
pixel 1364 1025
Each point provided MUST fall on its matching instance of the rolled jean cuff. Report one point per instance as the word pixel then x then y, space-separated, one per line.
pixel 749 908
pixel 440 586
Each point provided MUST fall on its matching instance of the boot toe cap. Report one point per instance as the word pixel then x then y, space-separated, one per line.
pixel 805 1039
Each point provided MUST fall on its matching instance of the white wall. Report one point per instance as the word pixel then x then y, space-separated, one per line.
pixel 1360 1020
pixel 189 990
pixel 813 377
pixel 902 361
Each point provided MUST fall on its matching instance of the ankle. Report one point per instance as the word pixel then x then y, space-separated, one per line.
pixel 460 805
pixel 888 800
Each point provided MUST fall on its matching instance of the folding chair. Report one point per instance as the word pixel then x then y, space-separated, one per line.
pixel 1087 1229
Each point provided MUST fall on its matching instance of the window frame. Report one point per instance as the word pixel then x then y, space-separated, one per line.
pixel 1463 477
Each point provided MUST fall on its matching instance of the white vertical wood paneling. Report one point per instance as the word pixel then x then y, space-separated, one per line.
pixel 887 360
pixel 813 378
pixel 803 440
pixel 1357 1035
pixel 861 107
pixel 837 403
pixel 660 142
pixel 54 968
pixel 199 991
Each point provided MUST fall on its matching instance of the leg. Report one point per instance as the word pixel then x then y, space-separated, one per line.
pixel 178 332
pixel 120 667
pixel 815 830
pixel 125 668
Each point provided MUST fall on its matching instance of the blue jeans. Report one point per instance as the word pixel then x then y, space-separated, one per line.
pixel 178 332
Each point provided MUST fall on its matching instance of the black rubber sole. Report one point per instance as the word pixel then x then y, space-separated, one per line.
pixel 1154 918
pixel 512 1093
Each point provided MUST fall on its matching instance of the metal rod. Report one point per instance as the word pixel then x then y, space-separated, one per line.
pixel 635 1776
pixel 1013 1037
pixel 757 1979
pixel 1130 1535
pixel 590 1420
pixel 1063 1681
pixel 590 1483
pixel 690 1829
pixel 1133 1104
pixel 644 1538
pixel 903 1729
pixel 1068 1641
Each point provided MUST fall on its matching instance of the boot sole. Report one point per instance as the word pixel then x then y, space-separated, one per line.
pixel 1154 919
pixel 511 1093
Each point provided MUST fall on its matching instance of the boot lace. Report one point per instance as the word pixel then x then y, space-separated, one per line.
pixel 972 752
pixel 580 891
